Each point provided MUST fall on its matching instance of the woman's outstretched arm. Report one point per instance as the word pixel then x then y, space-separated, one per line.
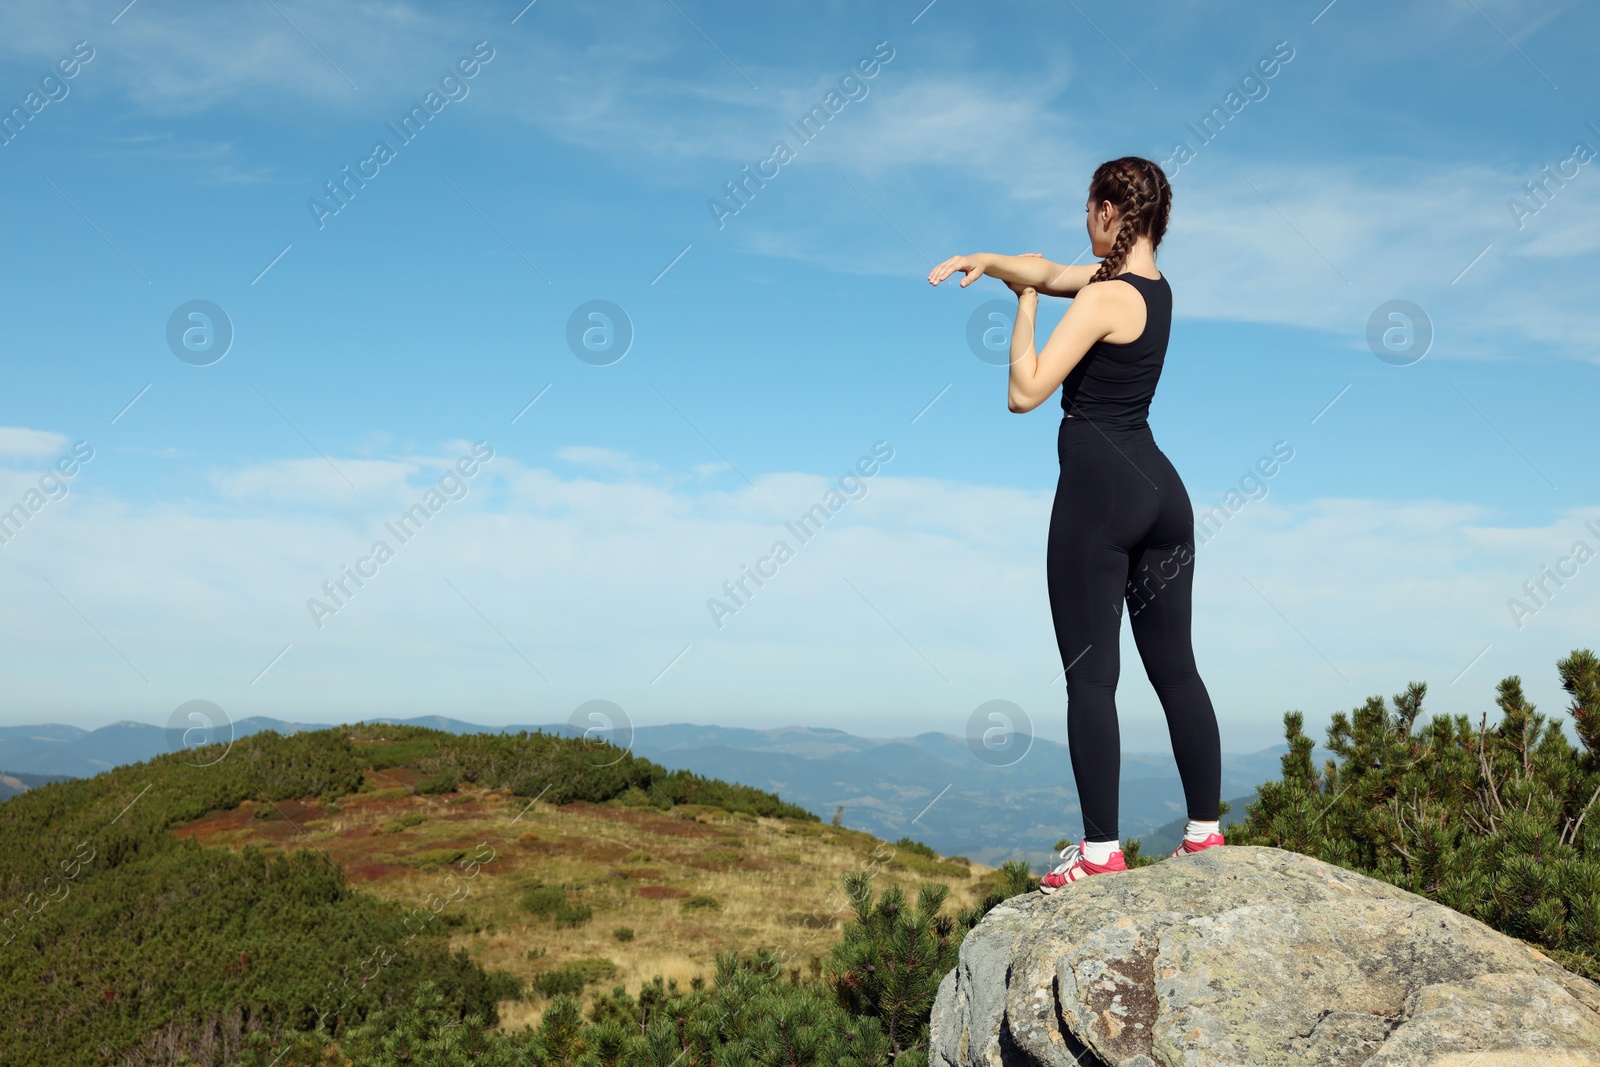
pixel 1045 276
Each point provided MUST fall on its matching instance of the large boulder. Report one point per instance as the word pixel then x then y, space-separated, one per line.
pixel 1250 957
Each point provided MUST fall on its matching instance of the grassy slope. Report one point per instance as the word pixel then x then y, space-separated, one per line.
pixel 777 880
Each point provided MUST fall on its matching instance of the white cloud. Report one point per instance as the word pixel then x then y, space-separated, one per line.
pixel 1567 224
pixel 180 63
pixel 1310 250
pixel 913 605
pixel 212 162
pixel 19 441
pixel 606 459
pixel 346 58
pixel 316 482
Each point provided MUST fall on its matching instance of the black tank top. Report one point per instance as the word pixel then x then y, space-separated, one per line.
pixel 1113 384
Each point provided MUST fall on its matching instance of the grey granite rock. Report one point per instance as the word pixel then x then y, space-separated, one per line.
pixel 1253 957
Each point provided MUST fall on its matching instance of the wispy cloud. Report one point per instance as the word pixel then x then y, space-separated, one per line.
pixel 19 441
pixel 605 578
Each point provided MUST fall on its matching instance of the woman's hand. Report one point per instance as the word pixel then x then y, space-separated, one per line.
pixel 973 265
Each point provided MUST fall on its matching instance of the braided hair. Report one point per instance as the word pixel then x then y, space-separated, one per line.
pixel 1139 190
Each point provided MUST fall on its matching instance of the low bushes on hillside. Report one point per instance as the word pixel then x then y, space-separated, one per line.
pixel 558 769
pixel 123 943
pixel 574 977
pixel 868 1006
pixel 550 902
pixel 915 856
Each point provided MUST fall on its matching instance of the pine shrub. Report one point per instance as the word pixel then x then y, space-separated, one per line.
pixel 1496 821
pixel 701 902
pixel 550 902
pixel 574 977
pixel 438 784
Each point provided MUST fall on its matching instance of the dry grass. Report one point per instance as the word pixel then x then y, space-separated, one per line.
pixel 777 881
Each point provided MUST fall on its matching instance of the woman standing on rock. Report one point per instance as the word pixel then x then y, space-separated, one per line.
pixel 1122 527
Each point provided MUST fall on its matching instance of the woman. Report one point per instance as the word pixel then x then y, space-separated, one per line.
pixel 1122 526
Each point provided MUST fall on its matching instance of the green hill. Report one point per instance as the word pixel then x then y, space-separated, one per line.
pixel 335 882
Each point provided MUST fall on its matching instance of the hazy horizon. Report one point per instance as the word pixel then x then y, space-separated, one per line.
pixel 420 720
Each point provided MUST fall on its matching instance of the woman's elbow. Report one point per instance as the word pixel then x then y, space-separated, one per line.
pixel 1020 404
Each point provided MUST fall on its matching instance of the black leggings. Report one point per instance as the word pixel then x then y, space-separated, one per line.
pixel 1123 527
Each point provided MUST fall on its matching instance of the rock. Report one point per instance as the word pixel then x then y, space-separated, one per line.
pixel 1250 957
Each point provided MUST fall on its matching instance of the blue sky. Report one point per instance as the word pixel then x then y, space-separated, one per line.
pixel 1381 161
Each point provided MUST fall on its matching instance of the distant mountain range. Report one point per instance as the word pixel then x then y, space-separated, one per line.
pixel 12 784
pixel 930 787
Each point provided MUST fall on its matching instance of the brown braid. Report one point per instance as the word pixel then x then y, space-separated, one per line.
pixel 1139 190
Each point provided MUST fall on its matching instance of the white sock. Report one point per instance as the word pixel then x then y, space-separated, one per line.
pixel 1197 831
pixel 1100 851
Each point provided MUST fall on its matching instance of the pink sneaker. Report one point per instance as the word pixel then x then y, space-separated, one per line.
pixel 1076 868
pixel 1185 846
